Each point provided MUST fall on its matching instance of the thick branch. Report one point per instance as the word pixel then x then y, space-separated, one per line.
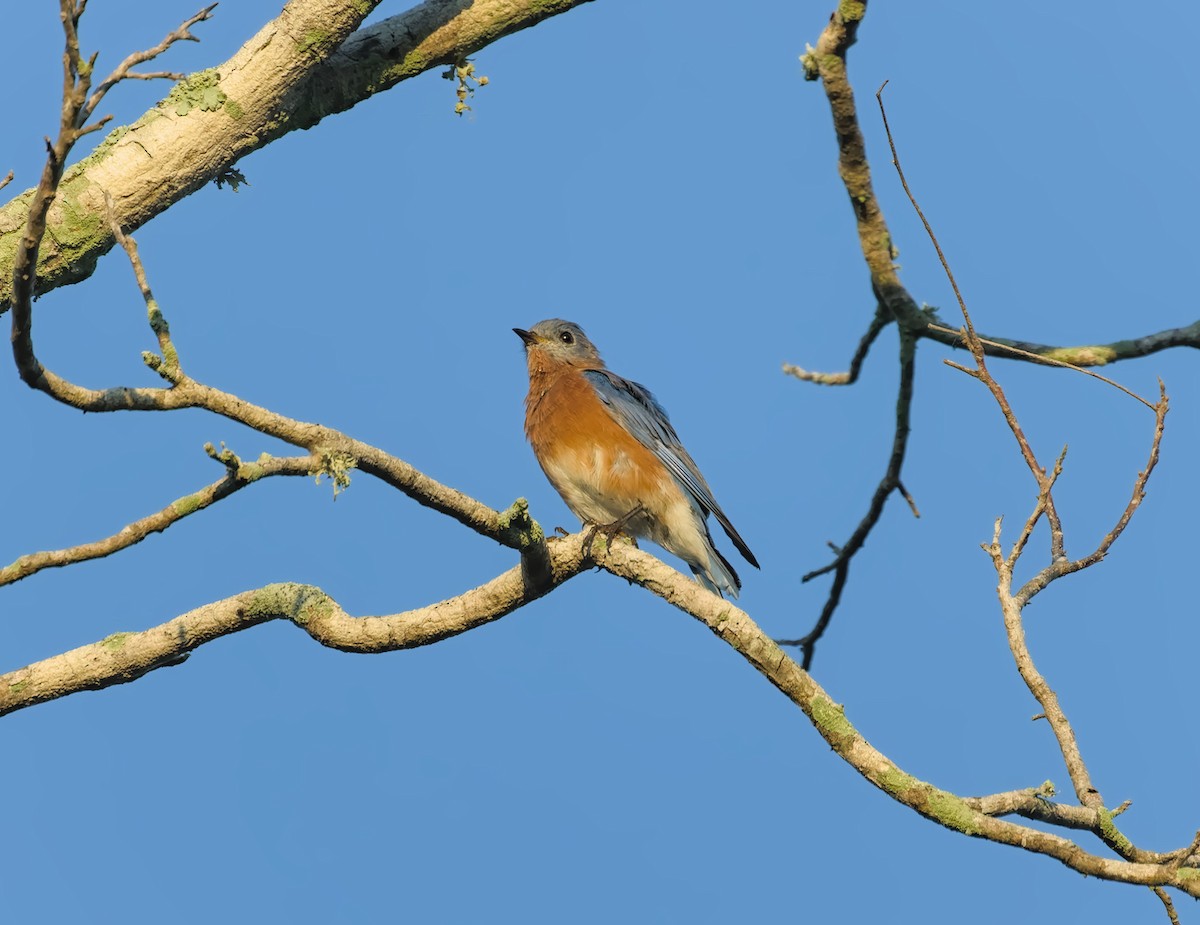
pixel 125 657
pixel 297 70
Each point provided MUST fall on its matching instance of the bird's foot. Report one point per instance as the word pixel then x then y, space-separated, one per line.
pixel 610 530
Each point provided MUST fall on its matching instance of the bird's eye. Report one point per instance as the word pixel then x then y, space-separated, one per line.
pixel 567 338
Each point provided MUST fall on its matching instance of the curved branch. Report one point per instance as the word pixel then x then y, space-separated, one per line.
pixel 300 67
pixel 124 657
pixel 881 320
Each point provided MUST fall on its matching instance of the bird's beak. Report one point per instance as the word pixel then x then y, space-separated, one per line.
pixel 527 336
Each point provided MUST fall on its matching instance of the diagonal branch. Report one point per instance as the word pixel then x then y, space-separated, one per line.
pixel 736 628
pixel 272 86
pixel 237 478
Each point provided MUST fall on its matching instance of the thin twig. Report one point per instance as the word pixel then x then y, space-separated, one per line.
pixel 1046 360
pixel 1167 904
pixel 976 348
pixel 131 534
pixel 840 566
pixel 1039 509
pixel 1059 567
pixel 166 364
pixel 882 319
pixel 124 70
pixel 1011 605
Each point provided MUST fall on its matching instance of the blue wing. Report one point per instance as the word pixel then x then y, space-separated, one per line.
pixel 638 411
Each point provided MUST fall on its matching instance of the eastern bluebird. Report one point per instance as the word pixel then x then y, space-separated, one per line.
pixel 607 447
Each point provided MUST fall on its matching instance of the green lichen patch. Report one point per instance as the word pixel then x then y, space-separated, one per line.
pixel 289 600
pixel 1111 833
pixel 337 465
pixel 312 605
pixel 952 812
pixel 105 147
pixel 896 782
pixel 852 10
pixel 188 504
pixel 1083 356
pixel 201 91
pixel 516 525
pixel 115 642
pixel 314 39
pixel 250 472
pixel 831 720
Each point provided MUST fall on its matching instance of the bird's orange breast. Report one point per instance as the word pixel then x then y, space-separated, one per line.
pixel 600 470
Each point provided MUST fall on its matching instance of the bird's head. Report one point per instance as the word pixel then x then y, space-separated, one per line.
pixel 558 341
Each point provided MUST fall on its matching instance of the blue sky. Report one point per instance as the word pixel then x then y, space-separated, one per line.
pixel 661 174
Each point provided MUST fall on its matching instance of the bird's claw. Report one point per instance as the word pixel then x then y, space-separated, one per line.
pixel 610 530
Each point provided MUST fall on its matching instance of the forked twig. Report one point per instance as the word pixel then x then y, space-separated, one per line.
pixel 1012 605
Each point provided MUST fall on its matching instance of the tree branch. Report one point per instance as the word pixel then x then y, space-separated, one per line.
pixel 282 79
pixel 124 657
pixel 337 451
pixel 237 478
pixel 1012 606
pixel 736 628
pixel 881 320
pixel 840 566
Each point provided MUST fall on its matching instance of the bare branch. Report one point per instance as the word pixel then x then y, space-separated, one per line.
pixel 1080 355
pixel 1167 904
pixel 1011 606
pixel 165 364
pixel 125 657
pixel 236 479
pixel 961 815
pixel 1007 350
pixel 881 320
pixel 840 566
pixel 1060 567
pixel 124 70
pixel 976 348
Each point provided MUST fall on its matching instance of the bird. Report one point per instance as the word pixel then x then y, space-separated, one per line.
pixel 608 448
